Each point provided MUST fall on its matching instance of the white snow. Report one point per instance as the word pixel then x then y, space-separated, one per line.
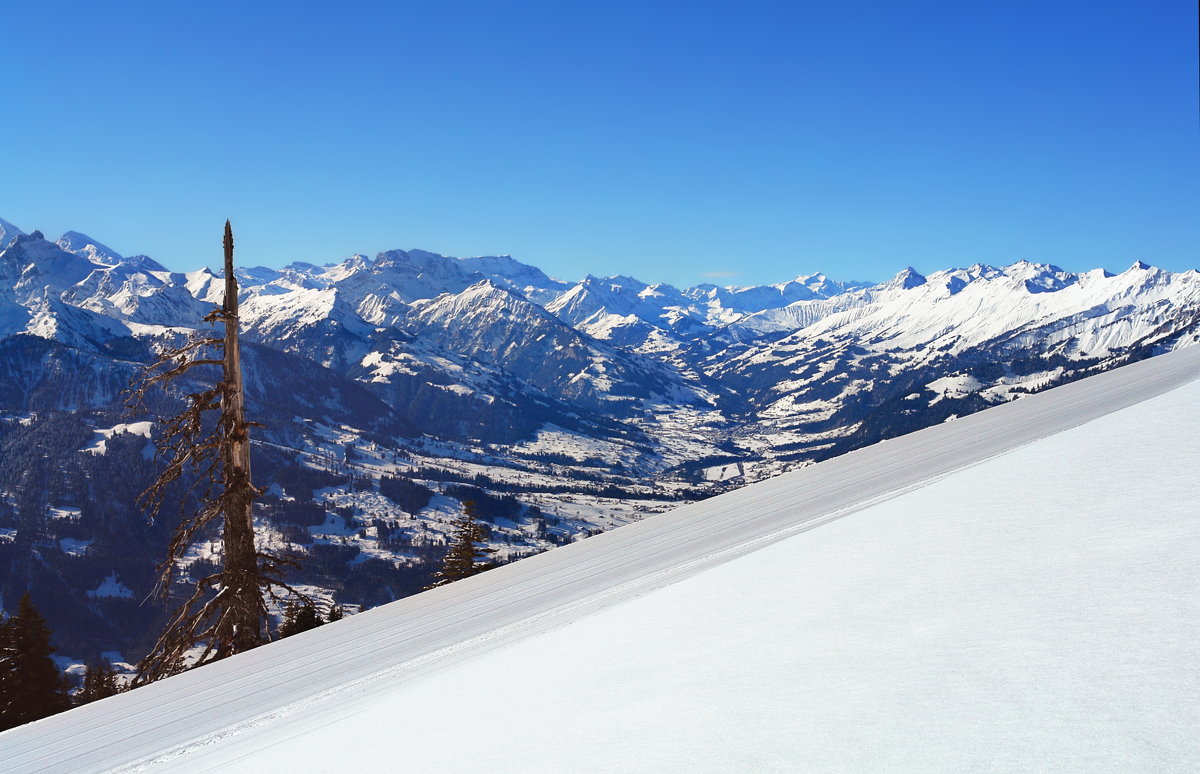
pixel 555 440
pixel 956 309
pixel 954 386
pixel 111 586
pixel 100 445
pixel 943 630
pixel 1013 591
pixel 84 245
pixel 74 547
pixel 724 472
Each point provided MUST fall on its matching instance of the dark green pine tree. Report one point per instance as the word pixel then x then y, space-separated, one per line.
pixel 336 613
pixel 99 681
pixel 463 557
pixel 299 618
pixel 31 687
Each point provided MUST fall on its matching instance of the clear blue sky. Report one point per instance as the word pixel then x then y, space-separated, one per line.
pixel 738 142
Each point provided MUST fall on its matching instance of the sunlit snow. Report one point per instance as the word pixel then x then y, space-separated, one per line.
pixel 100 445
pixel 111 586
pixel 967 625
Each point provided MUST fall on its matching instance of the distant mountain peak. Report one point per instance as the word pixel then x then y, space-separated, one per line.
pixel 906 279
pixel 485 286
pixel 8 233
pixel 83 245
pixel 145 262
pixel 302 266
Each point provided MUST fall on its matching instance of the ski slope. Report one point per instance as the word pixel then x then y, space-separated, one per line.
pixel 1015 590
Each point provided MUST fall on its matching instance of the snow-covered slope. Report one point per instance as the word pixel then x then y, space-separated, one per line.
pixel 1013 591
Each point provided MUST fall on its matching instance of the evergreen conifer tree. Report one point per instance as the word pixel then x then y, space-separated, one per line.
pixel 299 618
pixel 99 681
pixel 31 687
pixel 463 557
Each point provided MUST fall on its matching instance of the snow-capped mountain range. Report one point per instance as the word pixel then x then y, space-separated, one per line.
pixel 771 375
pixel 585 403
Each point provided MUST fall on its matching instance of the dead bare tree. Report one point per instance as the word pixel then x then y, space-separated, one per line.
pixel 226 612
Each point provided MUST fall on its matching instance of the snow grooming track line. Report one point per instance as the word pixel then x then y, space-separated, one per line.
pixel 156 726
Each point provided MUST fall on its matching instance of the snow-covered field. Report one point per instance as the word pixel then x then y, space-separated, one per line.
pixel 100 445
pixel 1012 591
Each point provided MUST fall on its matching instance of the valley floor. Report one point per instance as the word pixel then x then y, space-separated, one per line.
pixel 1013 591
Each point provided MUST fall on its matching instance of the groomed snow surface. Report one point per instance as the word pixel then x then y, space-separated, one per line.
pixel 1013 591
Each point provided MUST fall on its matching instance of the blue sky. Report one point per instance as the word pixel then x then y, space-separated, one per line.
pixel 739 143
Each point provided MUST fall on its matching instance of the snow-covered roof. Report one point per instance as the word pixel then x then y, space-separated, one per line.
pixel 1014 590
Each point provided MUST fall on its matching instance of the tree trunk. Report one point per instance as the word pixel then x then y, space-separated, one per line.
pixel 241 560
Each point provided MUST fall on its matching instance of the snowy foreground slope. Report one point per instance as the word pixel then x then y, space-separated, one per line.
pixel 1015 590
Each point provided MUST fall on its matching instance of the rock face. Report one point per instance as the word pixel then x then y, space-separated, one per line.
pixel 585 402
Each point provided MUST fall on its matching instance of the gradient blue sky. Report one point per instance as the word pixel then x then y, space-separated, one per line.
pixel 740 142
